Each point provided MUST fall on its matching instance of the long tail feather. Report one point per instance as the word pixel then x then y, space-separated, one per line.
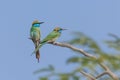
pixel 36 49
pixel 38 55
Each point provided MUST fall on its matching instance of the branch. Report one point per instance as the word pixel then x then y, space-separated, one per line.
pixel 107 70
pixel 102 74
pixel 74 49
pixel 90 77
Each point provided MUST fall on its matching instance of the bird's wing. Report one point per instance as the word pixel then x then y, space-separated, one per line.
pixel 51 36
pixel 35 34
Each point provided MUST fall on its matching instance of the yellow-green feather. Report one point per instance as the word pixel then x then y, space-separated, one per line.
pixel 35 33
pixel 50 38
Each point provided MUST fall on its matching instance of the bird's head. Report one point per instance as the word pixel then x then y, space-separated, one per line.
pixel 58 29
pixel 36 23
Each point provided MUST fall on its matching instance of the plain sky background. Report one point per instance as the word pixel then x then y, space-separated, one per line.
pixel 95 18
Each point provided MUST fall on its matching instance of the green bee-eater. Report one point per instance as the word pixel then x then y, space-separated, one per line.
pixel 52 37
pixel 35 35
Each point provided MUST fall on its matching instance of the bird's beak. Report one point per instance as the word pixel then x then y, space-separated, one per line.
pixel 41 22
pixel 64 29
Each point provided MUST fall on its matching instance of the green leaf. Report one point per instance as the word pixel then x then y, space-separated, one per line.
pixel 50 68
pixel 83 40
pixel 114 43
pixel 64 77
pixel 76 78
pixel 73 60
pixel 43 78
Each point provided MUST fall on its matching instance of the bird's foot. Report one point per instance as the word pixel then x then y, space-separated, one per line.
pixel 55 43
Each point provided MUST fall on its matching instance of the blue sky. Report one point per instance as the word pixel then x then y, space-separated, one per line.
pixel 96 18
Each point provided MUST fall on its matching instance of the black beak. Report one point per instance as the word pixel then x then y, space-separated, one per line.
pixel 41 22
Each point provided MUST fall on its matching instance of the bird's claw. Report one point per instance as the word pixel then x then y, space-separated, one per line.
pixel 55 43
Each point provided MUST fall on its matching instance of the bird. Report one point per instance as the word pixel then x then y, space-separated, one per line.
pixel 35 35
pixel 51 37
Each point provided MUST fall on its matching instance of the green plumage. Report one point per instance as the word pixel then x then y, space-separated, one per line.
pixel 35 35
pixel 53 36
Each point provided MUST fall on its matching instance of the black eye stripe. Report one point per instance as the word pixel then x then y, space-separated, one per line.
pixel 35 23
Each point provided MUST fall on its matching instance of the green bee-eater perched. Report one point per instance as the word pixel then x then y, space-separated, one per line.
pixel 55 34
pixel 35 35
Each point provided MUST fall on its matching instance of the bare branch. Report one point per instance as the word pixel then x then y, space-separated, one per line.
pixel 107 70
pixel 74 49
pixel 102 74
pixel 90 77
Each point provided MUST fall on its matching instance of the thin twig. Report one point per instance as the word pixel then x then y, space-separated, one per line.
pixel 90 77
pixel 102 74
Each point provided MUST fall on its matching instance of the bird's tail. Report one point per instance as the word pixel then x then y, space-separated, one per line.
pixel 39 46
pixel 38 55
pixel 37 52
pixel 36 49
